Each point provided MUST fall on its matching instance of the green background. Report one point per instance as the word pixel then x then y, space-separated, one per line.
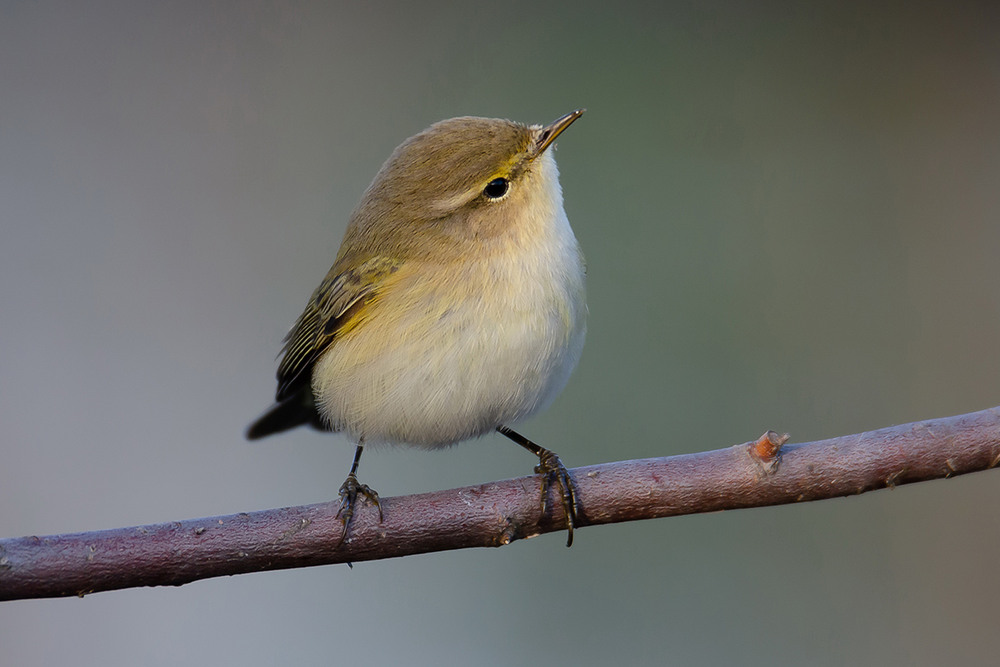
pixel 791 215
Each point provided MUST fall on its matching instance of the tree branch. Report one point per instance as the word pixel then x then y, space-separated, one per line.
pixel 753 474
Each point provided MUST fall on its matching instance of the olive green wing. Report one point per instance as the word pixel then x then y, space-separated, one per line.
pixel 336 307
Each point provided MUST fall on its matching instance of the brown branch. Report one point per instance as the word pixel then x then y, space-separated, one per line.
pixel 755 474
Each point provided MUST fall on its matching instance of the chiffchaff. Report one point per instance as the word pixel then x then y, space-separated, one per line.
pixel 455 306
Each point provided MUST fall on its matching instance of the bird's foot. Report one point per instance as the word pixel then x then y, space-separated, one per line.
pixel 555 473
pixel 349 492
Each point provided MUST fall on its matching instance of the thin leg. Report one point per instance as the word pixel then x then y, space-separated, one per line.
pixel 552 471
pixel 349 491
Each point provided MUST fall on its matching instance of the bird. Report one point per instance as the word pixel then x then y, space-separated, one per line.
pixel 455 307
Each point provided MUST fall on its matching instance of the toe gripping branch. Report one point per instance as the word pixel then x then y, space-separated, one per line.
pixel 349 491
pixel 553 472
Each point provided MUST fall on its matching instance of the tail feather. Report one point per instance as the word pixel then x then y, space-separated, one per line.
pixel 294 411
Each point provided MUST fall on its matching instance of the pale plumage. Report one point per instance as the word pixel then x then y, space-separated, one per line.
pixel 455 306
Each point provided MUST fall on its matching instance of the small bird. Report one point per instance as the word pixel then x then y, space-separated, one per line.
pixel 455 307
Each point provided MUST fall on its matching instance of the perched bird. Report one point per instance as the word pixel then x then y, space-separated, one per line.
pixel 455 306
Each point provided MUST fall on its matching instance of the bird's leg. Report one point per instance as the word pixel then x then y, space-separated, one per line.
pixel 349 491
pixel 552 471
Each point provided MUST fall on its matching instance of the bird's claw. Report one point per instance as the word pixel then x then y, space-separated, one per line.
pixel 349 492
pixel 552 470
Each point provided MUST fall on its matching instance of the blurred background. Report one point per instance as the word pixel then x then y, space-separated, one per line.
pixel 791 215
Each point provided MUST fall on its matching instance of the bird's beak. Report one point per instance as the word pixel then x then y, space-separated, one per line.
pixel 553 130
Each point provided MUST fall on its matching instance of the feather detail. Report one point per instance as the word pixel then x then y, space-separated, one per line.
pixel 336 307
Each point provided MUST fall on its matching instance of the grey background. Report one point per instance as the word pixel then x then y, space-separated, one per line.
pixel 790 214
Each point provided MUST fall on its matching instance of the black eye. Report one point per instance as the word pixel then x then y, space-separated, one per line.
pixel 496 188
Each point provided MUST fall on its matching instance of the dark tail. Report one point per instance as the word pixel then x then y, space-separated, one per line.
pixel 297 410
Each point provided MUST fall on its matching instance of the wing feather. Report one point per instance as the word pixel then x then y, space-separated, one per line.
pixel 335 307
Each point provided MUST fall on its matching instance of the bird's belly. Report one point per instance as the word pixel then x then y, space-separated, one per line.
pixel 420 373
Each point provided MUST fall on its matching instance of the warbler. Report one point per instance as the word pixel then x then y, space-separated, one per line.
pixel 455 307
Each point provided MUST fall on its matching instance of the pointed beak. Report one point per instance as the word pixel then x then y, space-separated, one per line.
pixel 553 130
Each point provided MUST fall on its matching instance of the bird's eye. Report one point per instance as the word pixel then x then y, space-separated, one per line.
pixel 496 188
